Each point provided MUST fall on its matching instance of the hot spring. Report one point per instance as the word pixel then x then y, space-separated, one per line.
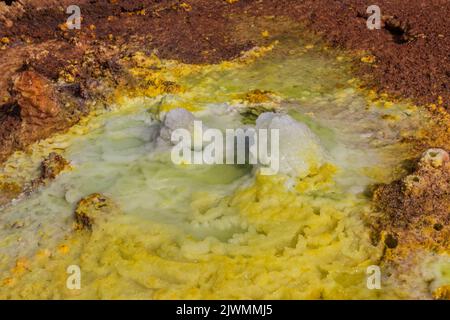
pixel 215 231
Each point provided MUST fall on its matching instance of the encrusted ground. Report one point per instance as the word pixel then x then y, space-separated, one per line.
pixel 410 52
pixel 51 77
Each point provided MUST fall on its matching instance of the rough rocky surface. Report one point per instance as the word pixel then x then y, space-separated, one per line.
pixel 411 49
pixel 93 210
pixel 37 102
pixel 410 52
pixel 416 213
pixel 33 105
pixel 52 166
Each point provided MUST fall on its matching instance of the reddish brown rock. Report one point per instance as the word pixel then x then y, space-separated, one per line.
pixel 31 105
pixel 8 191
pixel 417 208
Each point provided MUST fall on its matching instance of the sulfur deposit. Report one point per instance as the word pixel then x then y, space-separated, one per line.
pixel 148 228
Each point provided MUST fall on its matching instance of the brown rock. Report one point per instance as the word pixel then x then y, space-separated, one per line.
pixel 32 106
pixel 434 157
pixel 38 107
pixel 52 166
pixel 425 192
pixel 35 97
pixel 442 293
pixel 33 102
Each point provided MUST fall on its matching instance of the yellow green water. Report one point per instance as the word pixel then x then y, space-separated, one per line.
pixel 211 231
